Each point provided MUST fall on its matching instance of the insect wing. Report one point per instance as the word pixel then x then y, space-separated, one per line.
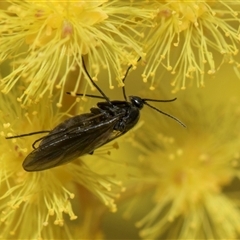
pixel 69 144
pixel 82 122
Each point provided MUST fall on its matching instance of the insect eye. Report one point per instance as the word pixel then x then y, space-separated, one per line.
pixel 137 101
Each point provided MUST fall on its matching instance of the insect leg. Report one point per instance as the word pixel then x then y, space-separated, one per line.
pixel 33 145
pixel 27 134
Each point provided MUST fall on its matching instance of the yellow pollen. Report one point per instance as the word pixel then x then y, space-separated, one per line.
pixel 152 74
pixel 121 84
pixel 6 125
pixel 179 152
pixel 211 72
pixel 45 224
pixel 51 212
pixel 59 105
pixel 73 217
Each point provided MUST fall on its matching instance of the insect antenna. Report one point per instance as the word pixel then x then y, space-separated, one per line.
pixel 94 84
pixel 87 95
pixel 27 134
pixel 124 78
pixel 157 100
pixel 166 114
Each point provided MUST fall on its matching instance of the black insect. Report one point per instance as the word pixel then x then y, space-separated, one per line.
pixel 84 133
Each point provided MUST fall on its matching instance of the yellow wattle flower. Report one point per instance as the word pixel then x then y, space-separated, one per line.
pixel 191 39
pixel 192 174
pixel 48 199
pixel 42 43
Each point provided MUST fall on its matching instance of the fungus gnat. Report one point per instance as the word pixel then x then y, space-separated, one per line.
pixel 84 133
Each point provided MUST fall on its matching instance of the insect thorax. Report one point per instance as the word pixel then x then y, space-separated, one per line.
pixel 130 120
pixel 128 115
